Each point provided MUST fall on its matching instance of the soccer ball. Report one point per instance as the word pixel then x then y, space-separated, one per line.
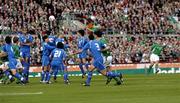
pixel 51 18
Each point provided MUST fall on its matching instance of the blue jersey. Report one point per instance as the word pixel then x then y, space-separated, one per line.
pixel 58 56
pixel 47 49
pixel 82 41
pixel 24 39
pixel 11 56
pixel 9 50
pixel 95 48
pixel 52 40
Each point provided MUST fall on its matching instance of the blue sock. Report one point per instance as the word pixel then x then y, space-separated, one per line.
pixel 65 76
pixel 111 74
pixel 26 71
pixel 81 68
pixel 55 72
pixel 27 74
pixel 87 65
pixel 47 76
pixel 18 76
pixel 89 78
pixel 42 75
pixel 7 73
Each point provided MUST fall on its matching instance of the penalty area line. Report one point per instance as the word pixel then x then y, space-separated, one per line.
pixel 14 94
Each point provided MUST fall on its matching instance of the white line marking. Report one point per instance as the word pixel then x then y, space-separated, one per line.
pixel 13 94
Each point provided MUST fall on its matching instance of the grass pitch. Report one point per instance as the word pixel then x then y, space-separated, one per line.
pixel 136 89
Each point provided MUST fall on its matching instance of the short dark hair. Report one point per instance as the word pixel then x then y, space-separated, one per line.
pixel 91 37
pixel 98 33
pixel 15 39
pixel 45 37
pixel 81 32
pixel 8 39
pixel 60 45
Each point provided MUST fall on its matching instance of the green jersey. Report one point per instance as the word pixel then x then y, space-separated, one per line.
pixel 157 49
pixel 107 52
pixel 16 51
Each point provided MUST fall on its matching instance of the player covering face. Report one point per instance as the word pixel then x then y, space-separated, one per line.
pixel 45 75
pixel 58 57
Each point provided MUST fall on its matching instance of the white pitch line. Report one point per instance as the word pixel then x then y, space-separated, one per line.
pixel 13 94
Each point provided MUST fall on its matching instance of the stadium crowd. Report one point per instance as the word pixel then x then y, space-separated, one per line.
pixel 130 17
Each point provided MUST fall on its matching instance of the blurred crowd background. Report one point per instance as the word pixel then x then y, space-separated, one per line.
pixel 133 24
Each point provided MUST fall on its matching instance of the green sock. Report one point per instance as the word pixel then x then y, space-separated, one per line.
pixel 150 68
pixel 156 67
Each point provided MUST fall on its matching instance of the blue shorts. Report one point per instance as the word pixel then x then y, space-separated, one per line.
pixel 45 61
pixel 12 64
pixel 25 54
pixel 82 55
pixel 60 67
pixel 98 64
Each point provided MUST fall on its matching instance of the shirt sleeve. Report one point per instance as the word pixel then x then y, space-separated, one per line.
pixel 64 55
pixel 86 47
pixel 21 39
pixel 49 47
pixel 51 55
pixel 31 38
pixel 102 45
pixel 4 49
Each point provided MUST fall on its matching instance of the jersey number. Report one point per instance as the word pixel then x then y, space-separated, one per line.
pixel 57 54
pixel 97 46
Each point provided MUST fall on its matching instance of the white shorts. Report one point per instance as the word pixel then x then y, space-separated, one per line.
pixel 154 58
pixel 108 60
pixel 19 65
pixel 4 65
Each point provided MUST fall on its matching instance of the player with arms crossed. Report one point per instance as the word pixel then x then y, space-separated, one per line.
pixel 58 56
pixel 45 75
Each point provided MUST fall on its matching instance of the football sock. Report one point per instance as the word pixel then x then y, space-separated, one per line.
pixel 81 68
pixel 65 76
pixel 47 76
pixel 42 75
pixel 89 78
pixel 18 76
